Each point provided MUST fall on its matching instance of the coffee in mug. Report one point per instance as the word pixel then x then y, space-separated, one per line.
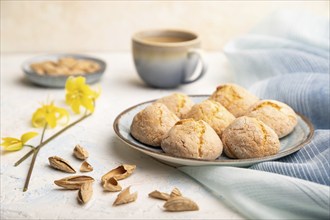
pixel 168 58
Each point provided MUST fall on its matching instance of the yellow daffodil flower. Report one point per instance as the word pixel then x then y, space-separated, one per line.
pixel 49 114
pixel 14 144
pixel 78 94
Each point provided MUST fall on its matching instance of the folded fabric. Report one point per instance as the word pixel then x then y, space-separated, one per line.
pixel 262 195
pixel 285 42
pixel 308 94
pixel 310 163
pixel 290 51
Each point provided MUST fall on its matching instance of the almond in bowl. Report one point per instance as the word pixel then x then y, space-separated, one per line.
pixel 65 66
pixel 54 69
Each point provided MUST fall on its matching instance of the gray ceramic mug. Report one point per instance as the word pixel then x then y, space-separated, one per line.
pixel 168 58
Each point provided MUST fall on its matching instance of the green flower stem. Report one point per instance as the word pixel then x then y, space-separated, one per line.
pixel 51 138
pixel 35 154
pixel 28 145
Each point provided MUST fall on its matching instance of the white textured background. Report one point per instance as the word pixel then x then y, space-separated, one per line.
pixel 74 26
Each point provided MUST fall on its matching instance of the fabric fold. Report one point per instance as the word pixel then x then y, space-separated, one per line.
pixel 307 94
pixel 285 42
pixel 263 195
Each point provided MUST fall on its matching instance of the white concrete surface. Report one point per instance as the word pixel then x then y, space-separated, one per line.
pixel 121 88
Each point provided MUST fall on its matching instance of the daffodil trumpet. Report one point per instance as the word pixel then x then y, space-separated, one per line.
pixel 49 114
pixel 79 94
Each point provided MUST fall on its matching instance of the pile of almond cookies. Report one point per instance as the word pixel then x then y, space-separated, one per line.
pixel 231 120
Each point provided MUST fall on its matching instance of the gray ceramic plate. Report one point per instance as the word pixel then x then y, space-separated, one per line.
pixel 301 135
pixel 59 81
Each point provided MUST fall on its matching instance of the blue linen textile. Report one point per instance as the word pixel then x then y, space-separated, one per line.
pixel 309 95
pixel 285 42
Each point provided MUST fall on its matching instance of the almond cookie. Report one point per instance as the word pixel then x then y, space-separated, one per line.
pixel 151 124
pixel 249 137
pixel 213 113
pixel 234 98
pixel 192 139
pixel 277 115
pixel 178 103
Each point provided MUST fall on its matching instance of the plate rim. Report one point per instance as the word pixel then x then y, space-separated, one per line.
pixel 212 162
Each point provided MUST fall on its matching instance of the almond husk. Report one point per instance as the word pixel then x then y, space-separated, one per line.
pixel 179 204
pixel 61 164
pixel 85 192
pixel 175 192
pixel 120 172
pixel 159 195
pixel 73 182
pixel 125 197
pixel 111 185
pixel 86 167
pixel 80 152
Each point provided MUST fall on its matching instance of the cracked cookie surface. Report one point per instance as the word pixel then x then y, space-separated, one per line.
pixel 213 113
pixel 192 139
pixel 234 98
pixel 248 137
pixel 151 124
pixel 178 103
pixel 277 115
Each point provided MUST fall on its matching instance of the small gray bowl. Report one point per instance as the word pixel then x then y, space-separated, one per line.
pixel 59 81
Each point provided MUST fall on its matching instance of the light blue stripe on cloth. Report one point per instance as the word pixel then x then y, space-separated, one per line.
pixel 263 195
pixel 310 163
pixel 285 42
pixel 308 94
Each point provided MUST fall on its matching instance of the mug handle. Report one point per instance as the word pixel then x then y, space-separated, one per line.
pixel 201 61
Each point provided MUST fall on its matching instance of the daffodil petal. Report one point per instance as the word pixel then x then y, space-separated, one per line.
pixel 51 120
pixel 73 103
pixel 50 114
pixel 87 91
pixel 80 94
pixel 80 81
pixel 8 141
pixel 14 147
pixel 27 136
pixel 63 113
pixel 69 98
pixel 88 103
pixel 38 118
pixel 38 123
pixel 76 106
pixel 70 84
